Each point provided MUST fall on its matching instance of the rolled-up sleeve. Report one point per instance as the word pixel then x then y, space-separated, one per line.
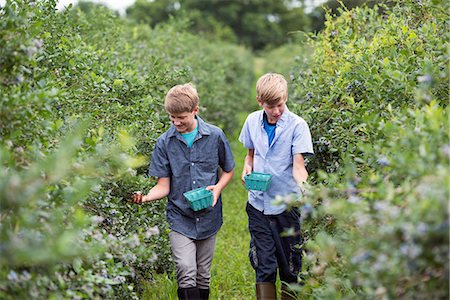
pixel 245 137
pixel 302 141
pixel 226 160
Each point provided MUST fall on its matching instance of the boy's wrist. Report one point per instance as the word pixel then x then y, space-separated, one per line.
pixel 145 198
pixel 302 189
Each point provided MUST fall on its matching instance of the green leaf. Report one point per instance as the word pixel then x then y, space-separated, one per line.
pixel 77 265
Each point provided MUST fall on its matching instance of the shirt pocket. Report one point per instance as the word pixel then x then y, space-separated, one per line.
pixel 208 164
pixel 283 149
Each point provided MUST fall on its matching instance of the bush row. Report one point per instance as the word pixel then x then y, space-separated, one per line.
pixel 376 98
pixel 81 107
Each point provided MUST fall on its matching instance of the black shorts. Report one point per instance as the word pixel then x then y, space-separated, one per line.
pixel 275 245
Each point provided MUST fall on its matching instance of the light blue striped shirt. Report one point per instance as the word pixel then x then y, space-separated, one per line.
pixel 292 136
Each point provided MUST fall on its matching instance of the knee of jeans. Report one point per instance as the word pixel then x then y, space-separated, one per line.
pixel 186 274
pixel 266 270
pixel 266 275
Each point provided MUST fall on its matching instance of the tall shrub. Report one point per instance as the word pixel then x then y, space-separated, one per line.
pixel 376 98
pixel 81 107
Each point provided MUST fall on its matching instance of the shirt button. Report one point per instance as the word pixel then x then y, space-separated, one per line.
pixel 193 182
pixel 198 219
pixel 192 164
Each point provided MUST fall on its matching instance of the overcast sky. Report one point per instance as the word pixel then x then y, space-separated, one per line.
pixel 121 5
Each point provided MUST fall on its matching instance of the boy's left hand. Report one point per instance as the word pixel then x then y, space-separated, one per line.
pixel 216 193
pixel 247 170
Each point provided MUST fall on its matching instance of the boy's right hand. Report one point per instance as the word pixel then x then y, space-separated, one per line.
pixel 138 198
pixel 247 170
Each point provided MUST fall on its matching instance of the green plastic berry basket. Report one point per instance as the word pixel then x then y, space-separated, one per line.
pixel 257 181
pixel 199 199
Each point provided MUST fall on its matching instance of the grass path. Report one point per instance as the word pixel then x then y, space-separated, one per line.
pixel 231 273
pixel 232 277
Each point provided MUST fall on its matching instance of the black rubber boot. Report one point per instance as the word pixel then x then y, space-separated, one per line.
pixel 189 293
pixel 204 294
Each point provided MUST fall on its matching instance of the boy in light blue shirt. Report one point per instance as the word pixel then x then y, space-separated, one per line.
pixel 277 141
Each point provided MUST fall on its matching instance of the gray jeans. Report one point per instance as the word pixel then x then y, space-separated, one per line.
pixel 193 259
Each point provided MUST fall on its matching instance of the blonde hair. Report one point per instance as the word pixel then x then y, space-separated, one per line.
pixel 271 88
pixel 181 98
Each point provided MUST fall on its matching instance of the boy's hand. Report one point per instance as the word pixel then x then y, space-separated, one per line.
pixel 247 170
pixel 216 193
pixel 138 198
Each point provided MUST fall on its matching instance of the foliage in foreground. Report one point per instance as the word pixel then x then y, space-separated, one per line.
pixel 376 98
pixel 80 110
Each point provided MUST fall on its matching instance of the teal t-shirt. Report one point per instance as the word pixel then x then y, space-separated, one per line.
pixel 270 129
pixel 190 136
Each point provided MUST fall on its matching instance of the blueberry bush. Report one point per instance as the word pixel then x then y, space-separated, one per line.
pixel 375 95
pixel 81 107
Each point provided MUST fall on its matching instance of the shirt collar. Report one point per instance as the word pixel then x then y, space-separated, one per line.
pixel 202 128
pixel 281 122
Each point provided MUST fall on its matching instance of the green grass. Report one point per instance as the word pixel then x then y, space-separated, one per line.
pixel 164 287
pixel 232 276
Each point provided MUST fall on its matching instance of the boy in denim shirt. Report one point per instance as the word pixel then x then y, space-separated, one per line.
pixel 277 141
pixel 186 157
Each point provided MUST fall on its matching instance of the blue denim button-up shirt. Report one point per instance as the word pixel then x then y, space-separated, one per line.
pixel 188 169
pixel 292 136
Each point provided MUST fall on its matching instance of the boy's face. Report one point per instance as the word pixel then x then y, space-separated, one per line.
pixel 273 112
pixel 184 122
